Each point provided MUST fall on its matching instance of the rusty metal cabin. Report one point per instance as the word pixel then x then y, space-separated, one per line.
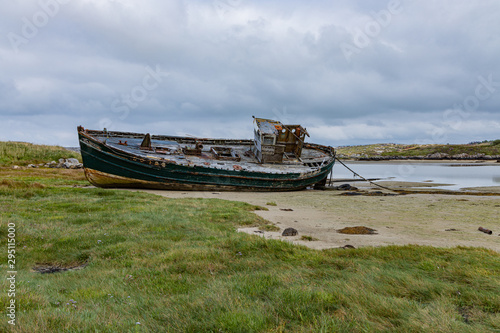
pixel 274 141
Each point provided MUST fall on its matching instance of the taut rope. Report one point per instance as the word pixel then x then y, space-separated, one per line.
pixel 357 174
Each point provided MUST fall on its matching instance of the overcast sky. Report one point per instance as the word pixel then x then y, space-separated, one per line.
pixel 352 73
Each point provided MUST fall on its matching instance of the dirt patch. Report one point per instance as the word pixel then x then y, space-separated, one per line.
pixel 49 268
pixel 360 230
pixel 418 218
pixel 373 193
pixel 19 184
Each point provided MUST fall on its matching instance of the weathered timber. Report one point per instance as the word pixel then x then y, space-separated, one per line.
pixel 184 163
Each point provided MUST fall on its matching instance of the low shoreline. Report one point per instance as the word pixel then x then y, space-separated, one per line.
pixel 430 218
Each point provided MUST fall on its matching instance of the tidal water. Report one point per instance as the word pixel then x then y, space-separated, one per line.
pixel 455 176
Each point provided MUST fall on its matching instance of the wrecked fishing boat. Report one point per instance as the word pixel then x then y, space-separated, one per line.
pixel 277 159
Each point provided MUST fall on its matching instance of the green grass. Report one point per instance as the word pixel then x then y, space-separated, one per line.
pixel 23 153
pixel 308 238
pixel 177 265
pixel 47 176
pixel 486 149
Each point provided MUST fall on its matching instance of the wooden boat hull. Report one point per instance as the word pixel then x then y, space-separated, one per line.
pixel 108 167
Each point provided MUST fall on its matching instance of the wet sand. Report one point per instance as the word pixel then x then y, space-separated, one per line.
pixel 432 219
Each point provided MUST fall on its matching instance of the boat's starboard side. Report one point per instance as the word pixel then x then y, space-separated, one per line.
pixel 106 166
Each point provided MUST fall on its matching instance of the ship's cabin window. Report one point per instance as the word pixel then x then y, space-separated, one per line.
pixel 268 140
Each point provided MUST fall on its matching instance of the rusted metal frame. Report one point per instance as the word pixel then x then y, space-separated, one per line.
pixel 486 231
pixel 297 148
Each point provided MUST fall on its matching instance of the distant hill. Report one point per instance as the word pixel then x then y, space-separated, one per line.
pixel 23 153
pixel 479 150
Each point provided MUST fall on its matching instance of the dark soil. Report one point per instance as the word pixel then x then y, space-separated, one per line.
pixel 360 230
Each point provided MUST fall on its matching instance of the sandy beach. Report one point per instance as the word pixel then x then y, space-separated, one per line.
pixel 432 219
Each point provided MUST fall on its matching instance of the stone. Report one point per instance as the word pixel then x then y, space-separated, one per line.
pixel 66 165
pixel 290 232
pixel 351 193
pixel 346 187
pixel 461 156
pixel 437 156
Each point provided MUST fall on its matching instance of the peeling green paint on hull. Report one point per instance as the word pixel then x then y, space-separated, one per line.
pixel 108 167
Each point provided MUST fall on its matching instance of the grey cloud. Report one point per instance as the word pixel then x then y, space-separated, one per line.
pixel 251 58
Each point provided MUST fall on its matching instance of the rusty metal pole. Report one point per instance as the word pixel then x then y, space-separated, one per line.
pixel 486 231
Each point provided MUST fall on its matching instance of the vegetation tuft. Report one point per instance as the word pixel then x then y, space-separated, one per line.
pixel 308 238
pixel 93 260
pixel 359 230
pixel 23 153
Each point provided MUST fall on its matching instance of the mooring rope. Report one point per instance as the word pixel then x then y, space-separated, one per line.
pixel 357 174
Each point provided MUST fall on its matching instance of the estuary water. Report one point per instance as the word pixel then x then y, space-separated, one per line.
pixel 455 175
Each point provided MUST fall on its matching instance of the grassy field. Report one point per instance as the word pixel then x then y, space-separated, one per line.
pixel 23 153
pixel 143 263
pixel 133 262
pixel 390 149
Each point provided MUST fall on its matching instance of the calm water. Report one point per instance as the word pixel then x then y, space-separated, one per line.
pixel 443 173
